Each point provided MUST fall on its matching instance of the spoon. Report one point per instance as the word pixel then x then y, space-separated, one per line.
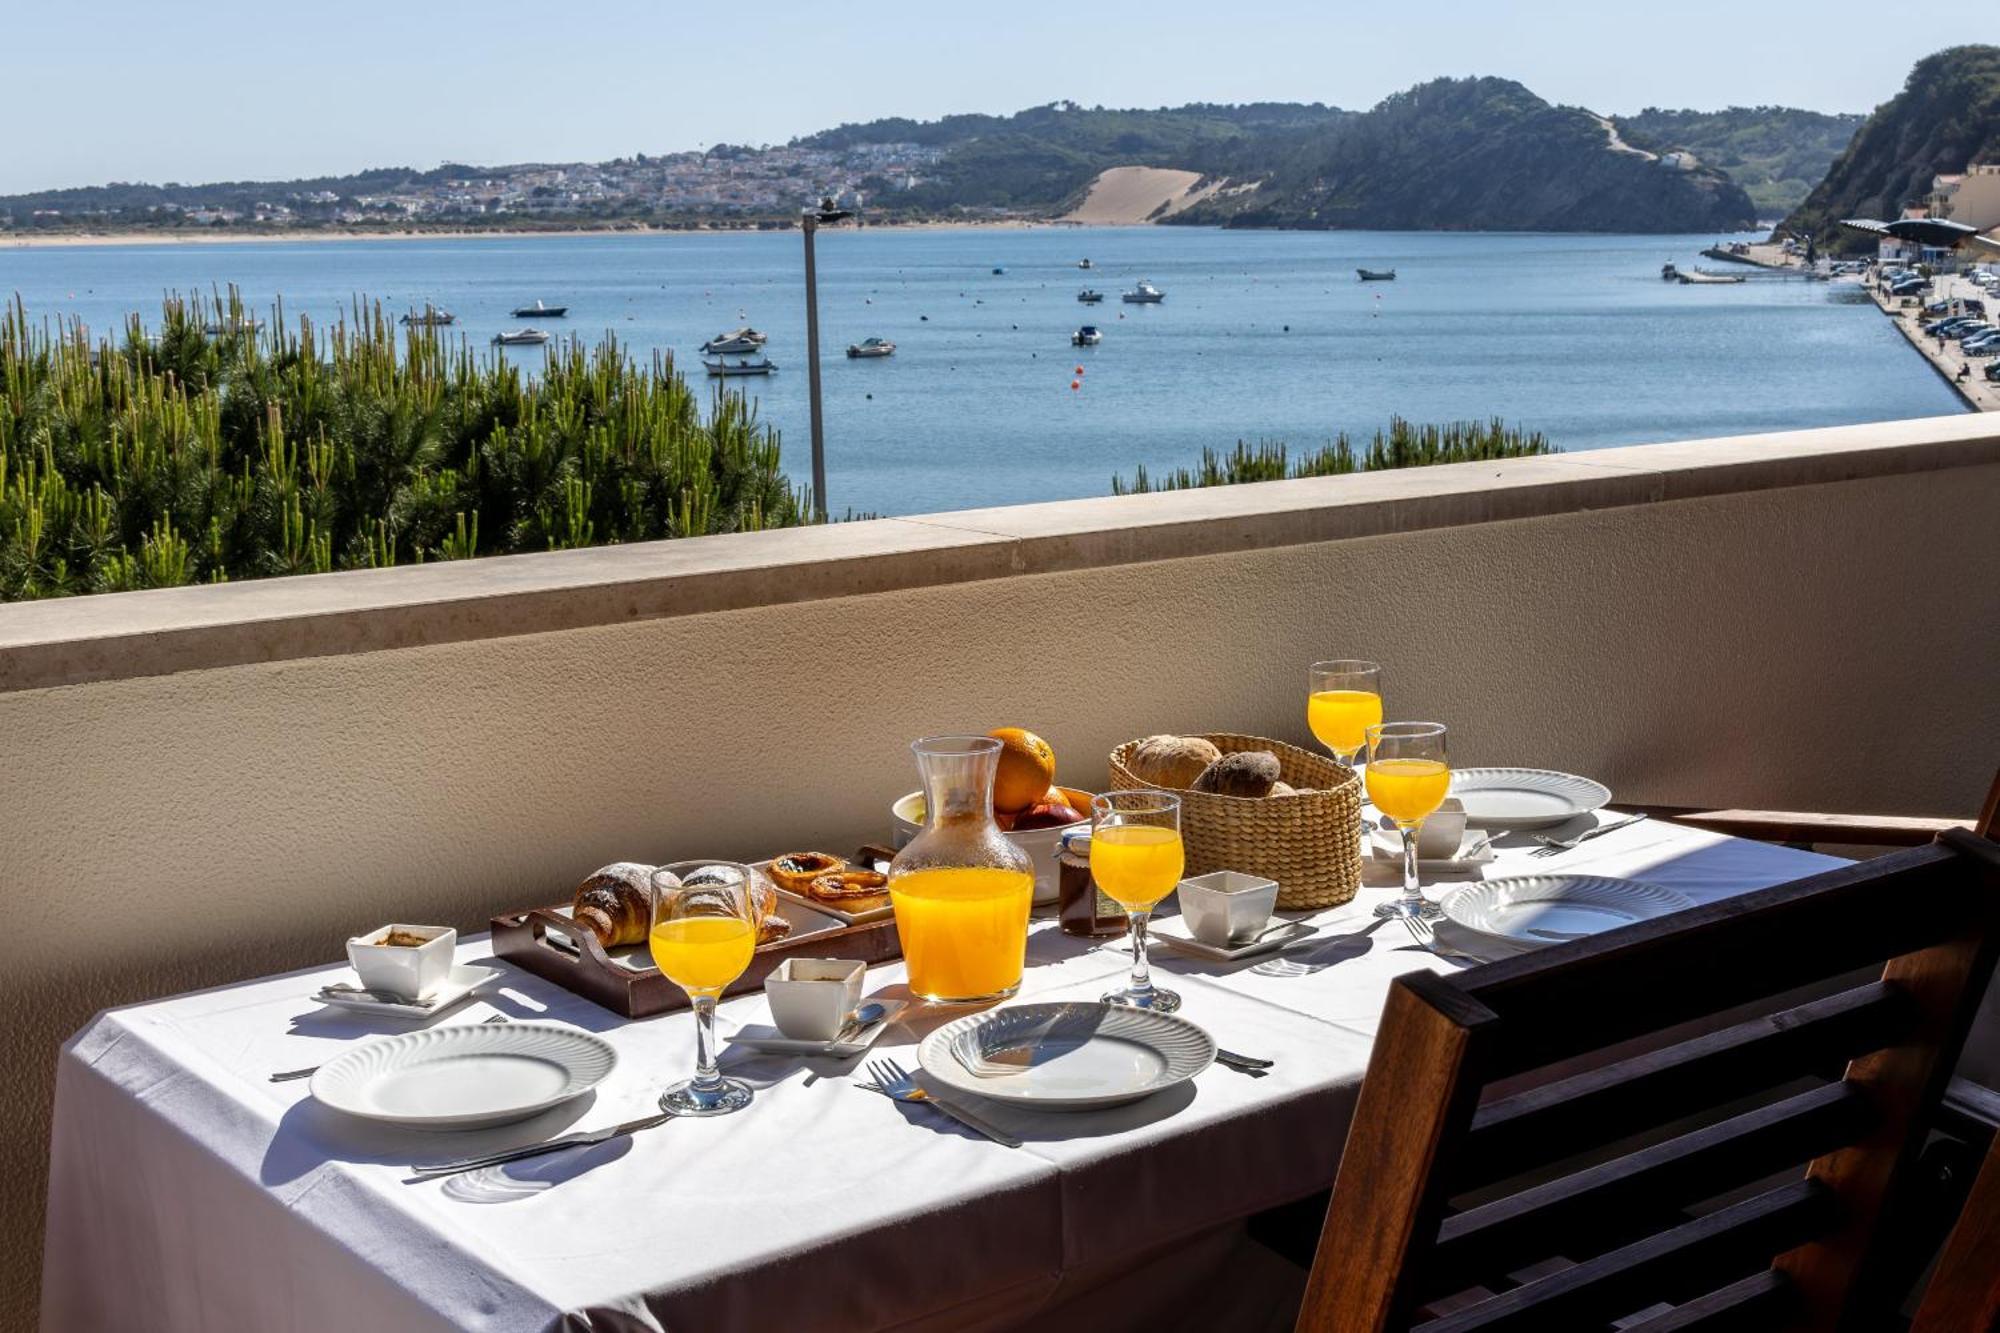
pixel 866 1015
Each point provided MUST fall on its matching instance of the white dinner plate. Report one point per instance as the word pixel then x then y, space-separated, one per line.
pixel 464 1076
pixel 1523 798
pixel 1067 1057
pixel 1550 909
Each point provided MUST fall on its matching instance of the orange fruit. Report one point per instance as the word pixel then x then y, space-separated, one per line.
pixel 1027 769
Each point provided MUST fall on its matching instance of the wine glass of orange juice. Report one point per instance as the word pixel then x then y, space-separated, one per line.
pixel 961 891
pixel 1136 858
pixel 704 930
pixel 1408 777
pixel 1345 699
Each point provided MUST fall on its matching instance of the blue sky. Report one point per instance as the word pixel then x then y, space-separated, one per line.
pixel 222 89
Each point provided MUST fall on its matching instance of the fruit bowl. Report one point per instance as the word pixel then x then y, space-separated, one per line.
pixel 907 817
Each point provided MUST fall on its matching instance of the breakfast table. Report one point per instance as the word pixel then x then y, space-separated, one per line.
pixel 187 1191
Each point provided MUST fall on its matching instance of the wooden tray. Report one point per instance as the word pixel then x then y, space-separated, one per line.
pixel 544 941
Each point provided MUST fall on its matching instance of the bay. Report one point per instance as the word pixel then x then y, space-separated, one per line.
pixel 1263 336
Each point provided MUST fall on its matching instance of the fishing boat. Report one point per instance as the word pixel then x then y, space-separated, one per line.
pixel 1087 336
pixel 1377 274
pixel 735 342
pixel 433 317
pixel 871 347
pixel 1085 263
pixel 1696 278
pixel 1668 273
pixel 1144 294
pixel 1089 297
pixel 520 338
pixel 539 311
pixel 997 270
pixel 720 368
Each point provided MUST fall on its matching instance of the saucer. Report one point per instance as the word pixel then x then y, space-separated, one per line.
pixel 1173 932
pixel 768 1039
pixel 1387 845
pixel 458 985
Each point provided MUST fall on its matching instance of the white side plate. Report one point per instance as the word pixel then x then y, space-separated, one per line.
pixel 1523 798
pixel 1068 1057
pixel 1550 909
pixel 465 1076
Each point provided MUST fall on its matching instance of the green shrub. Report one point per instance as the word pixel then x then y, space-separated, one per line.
pixel 1402 445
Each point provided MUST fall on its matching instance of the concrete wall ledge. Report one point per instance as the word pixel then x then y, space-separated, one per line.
pixel 131 635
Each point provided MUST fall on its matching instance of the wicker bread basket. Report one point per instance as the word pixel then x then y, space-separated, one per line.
pixel 1309 843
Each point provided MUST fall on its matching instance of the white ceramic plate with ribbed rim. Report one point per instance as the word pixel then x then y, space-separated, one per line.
pixel 1524 798
pixel 1066 1057
pixel 1552 909
pixel 465 1076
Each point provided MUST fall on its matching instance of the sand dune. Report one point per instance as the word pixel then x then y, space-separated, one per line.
pixel 1124 196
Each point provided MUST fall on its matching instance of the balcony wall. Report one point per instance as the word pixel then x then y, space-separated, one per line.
pixel 201 785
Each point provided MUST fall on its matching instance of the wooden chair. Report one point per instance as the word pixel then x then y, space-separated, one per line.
pixel 1742 1178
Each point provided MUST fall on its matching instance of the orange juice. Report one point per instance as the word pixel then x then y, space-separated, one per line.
pixel 964 930
pixel 1407 790
pixel 1341 718
pixel 702 954
pixel 1136 864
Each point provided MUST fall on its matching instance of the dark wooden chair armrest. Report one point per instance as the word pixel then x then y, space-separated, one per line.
pixel 1802 826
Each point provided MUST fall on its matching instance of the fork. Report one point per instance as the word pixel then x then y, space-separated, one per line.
pixel 895 1082
pixel 294 1075
pixel 1557 846
pixel 1426 937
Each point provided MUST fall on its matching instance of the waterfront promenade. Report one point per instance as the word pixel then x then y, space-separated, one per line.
pixel 1980 393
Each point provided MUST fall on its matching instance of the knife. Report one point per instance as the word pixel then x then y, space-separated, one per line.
pixel 419 1174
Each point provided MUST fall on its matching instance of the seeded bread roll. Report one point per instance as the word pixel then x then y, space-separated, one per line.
pixel 1250 773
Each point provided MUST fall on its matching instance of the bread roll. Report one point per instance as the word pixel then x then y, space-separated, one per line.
pixel 1171 761
pixel 1249 773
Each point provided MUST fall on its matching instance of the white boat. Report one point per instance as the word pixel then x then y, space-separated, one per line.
pixel 432 317
pixel 1087 336
pixel 216 328
pixel 735 342
pixel 1144 294
pixel 1089 297
pixel 719 368
pixel 1085 263
pixel 540 311
pixel 520 338
pixel 871 347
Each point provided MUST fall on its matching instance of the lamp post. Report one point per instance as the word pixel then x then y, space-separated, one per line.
pixel 809 223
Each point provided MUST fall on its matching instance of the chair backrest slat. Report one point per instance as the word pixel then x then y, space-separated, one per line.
pixel 1592 1131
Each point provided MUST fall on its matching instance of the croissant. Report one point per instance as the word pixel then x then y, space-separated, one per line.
pixel 616 904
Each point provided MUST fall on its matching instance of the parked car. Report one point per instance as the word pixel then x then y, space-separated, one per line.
pixel 1993 372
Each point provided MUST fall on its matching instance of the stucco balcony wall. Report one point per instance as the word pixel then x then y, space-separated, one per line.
pixel 201 785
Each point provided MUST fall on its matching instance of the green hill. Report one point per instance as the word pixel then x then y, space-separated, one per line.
pixel 1776 153
pixel 1947 115
pixel 1481 154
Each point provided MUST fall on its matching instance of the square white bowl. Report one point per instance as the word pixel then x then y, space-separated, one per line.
pixel 1227 907
pixel 409 972
pixel 811 998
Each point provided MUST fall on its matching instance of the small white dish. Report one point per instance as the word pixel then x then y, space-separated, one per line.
pixel 1067 1057
pixel 1174 934
pixel 1539 910
pixel 1525 798
pixel 811 998
pixel 465 1075
pixel 1387 845
pixel 409 971
pixel 768 1039
pixel 1226 908
pixel 458 985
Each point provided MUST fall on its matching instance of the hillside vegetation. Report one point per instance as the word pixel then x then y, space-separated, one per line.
pixel 1776 153
pixel 1480 154
pixel 1947 116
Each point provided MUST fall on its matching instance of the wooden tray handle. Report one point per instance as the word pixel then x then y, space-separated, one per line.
pixel 574 948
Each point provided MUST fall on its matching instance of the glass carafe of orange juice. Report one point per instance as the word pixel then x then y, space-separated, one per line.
pixel 960 889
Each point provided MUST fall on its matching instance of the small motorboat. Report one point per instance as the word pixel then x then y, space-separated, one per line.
pixel 520 338
pixel 1085 263
pixel 217 328
pixel 720 368
pixel 871 347
pixel 1087 336
pixel 1144 294
pixel 1089 297
pixel 1668 273
pixel 997 270
pixel 735 343
pixel 1377 274
pixel 431 318
pixel 540 311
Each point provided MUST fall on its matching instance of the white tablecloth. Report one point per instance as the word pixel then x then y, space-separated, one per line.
pixel 188 1192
